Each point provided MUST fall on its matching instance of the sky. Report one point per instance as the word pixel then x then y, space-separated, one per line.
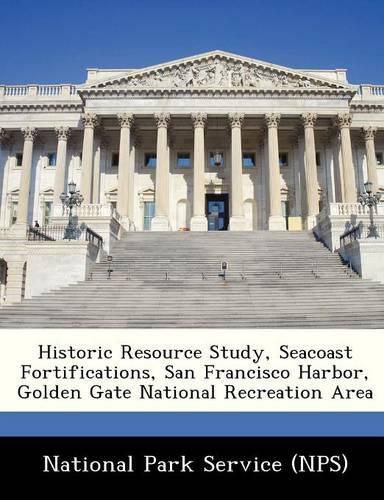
pixel 54 41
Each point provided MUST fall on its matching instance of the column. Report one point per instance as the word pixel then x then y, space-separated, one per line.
pixel 276 221
pixel 4 166
pixel 61 161
pixel 199 220
pixel 369 139
pixel 161 220
pixel 237 220
pixel 310 169
pixel 96 170
pixel 344 121
pixel 25 185
pixel 90 121
pixel 126 121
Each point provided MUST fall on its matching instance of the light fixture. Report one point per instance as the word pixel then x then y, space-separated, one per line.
pixel 368 187
pixel 217 159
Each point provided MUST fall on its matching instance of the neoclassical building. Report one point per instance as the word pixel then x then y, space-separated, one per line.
pixel 214 141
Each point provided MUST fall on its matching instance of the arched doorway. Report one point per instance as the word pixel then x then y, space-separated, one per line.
pixel 3 281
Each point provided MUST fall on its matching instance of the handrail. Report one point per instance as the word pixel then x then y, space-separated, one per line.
pixel 352 234
pixel 58 232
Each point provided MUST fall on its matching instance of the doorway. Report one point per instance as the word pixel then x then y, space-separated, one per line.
pixel 217 211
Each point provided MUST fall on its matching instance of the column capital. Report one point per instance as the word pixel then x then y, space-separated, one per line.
pixel 163 120
pixel 29 133
pixel 236 119
pixel 199 120
pixel 368 133
pixel 309 119
pixel 126 120
pixel 272 120
pixel 343 120
pixel 63 133
pixel 90 120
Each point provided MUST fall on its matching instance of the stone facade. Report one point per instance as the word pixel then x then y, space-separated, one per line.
pixel 290 141
pixel 215 141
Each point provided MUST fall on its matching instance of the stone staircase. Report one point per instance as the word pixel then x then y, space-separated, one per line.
pixel 275 279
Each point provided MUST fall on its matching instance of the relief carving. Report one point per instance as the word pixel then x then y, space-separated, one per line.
pixel 218 72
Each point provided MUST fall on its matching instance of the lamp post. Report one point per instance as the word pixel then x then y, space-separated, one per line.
pixel 370 200
pixel 73 199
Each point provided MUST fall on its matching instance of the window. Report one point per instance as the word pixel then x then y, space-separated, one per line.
pixel 318 159
pixel 19 159
pixel 379 158
pixel 149 213
pixel 283 159
pixel 150 160
pixel 115 160
pixel 13 213
pixel 216 159
pixel 47 212
pixel 183 160
pixel 80 159
pixel 51 159
pixel 249 160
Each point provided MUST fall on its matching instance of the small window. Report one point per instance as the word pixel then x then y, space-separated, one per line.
pixel 149 213
pixel 80 159
pixel 47 212
pixel 318 159
pixel 379 158
pixel 249 160
pixel 150 160
pixel 115 159
pixel 51 159
pixel 19 159
pixel 13 213
pixel 216 159
pixel 183 160
pixel 283 159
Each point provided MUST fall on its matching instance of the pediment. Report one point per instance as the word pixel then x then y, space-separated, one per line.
pixel 216 70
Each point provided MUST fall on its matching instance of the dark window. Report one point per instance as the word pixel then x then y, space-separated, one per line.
pixel 283 159
pixel 379 158
pixel 183 160
pixel 80 158
pixel 51 159
pixel 115 159
pixel 249 160
pixel 150 160
pixel 216 159
pixel 318 159
pixel 19 159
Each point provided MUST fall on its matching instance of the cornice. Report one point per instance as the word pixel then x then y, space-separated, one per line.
pixel 363 107
pixel 40 106
pixel 216 92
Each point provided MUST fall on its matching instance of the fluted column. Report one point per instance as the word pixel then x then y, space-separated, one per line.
pixel 199 220
pixel 4 139
pixel 25 185
pixel 344 121
pixel 126 121
pixel 61 160
pixel 90 121
pixel 276 221
pixel 312 208
pixel 369 139
pixel 161 220
pixel 237 219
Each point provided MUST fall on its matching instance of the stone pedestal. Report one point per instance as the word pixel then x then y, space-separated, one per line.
pixel 160 223
pixel 199 223
pixel 237 223
pixel 276 223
